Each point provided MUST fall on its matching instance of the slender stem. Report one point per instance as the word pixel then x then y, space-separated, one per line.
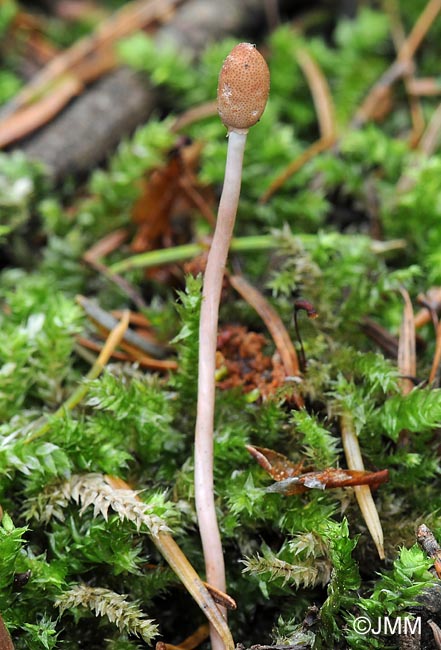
pixel 203 459
pixel 240 245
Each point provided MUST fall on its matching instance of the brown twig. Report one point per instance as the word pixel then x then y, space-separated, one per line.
pixel 103 247
pixel 135 355
pixel 437 355
pixel 379 92
pixel 196 638
pixel 324 106
pixel 384 339
pixel 436 633
pixel 431 303
pixel 425 87
pixel 83 62
pixel 320 91
pixel 26 120
pixel 194 114
pixel 135 15
pixel 106 322
pixel 419 30
pixel 431 136
pixel 315 148
pixel 112 342
pixel 428 143
pixel 401 66
pixel 195 197
pixel 106 245
pixel 221 598
pixel 74 10
pixel 377 96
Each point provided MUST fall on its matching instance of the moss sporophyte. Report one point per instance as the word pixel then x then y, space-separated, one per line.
pixel 242 95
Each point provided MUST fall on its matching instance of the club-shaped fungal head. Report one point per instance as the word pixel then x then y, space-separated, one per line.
pixel 243 88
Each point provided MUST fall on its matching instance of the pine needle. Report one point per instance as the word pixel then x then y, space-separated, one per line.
pixel 363 493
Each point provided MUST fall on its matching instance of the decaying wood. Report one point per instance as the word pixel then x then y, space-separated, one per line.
pixel 93 123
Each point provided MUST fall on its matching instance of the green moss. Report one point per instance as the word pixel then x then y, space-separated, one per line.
pixel 283 553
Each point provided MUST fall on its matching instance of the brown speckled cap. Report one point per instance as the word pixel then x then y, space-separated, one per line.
pixel 243 88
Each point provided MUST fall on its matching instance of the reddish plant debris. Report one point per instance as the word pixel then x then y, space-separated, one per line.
pixel 242 362
pixel 273 323
pixel 168 195
pixel 291 479
pixel 329 478
pixel 278 466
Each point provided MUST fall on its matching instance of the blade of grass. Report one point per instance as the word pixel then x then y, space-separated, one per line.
pixel 238 245
pixel 188 251
pixel 406 346
pixel 363 493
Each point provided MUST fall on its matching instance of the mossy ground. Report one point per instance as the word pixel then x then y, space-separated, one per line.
pixel 327 228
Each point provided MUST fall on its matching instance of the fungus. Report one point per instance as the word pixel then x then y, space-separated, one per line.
pixel 242 94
